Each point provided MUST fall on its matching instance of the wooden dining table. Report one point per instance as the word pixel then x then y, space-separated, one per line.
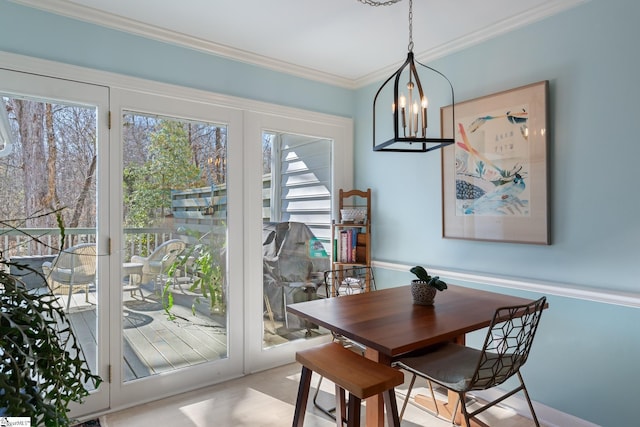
pixel 389 325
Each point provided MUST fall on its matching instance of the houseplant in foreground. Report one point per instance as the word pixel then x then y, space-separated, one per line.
pixel 424 288
pixel 42 367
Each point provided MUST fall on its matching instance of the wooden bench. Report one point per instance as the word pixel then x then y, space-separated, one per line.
pixel 361 377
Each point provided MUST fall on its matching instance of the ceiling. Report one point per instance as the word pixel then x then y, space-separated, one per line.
pixel 342 42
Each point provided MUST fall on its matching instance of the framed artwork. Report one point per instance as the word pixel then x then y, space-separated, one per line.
pixel 494 178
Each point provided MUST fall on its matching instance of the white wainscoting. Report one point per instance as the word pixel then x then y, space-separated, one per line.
pixel 567 290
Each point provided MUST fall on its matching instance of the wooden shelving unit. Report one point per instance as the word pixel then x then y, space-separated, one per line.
pixel 357 252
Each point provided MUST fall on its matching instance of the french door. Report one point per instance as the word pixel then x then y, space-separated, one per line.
pixel 55 158
pixel 179 250
pixel 124 192
pixel 169 189
pixel 292 214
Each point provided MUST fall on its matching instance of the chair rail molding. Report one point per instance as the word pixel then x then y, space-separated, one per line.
pixel 567 290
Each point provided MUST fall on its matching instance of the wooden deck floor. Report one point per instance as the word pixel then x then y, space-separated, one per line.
pixel 152 343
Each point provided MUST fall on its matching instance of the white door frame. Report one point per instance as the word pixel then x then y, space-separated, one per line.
pixel 294 122
pixel 245 198
pixel 169 383
pixel 57 90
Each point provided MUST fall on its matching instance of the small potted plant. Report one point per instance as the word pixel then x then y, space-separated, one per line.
pixel 424 288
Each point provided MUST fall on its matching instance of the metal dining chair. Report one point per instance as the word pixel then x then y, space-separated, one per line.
pixel 463 369
pixel 345 281
pixel 349 280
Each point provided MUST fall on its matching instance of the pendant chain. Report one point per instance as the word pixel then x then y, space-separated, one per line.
pixel 389 3
pixel 379 3
pixel 410 25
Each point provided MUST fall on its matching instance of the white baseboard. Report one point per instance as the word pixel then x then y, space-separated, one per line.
pixel 547 415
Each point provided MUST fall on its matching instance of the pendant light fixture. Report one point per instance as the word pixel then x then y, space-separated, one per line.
pixel 409 105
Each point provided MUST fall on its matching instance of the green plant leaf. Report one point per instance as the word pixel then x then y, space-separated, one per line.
pixel 420 273
pixel 434 281
pixel 437 283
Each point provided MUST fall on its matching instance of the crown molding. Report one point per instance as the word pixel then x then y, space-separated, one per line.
pixel 94 16
pixel 507 25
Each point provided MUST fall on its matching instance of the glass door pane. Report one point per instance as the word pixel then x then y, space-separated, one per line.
pixel 174 253
pixel 178 270
pixel 51 159
pixel 296 231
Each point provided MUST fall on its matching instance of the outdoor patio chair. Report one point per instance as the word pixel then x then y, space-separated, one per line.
pixel 463 369
pixel 72 270
pixel 157 264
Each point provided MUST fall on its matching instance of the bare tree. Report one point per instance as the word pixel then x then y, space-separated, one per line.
pixel 50 200
pixel 56 164
pixel 30 115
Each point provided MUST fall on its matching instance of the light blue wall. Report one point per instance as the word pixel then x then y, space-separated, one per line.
pixel 586 354
pixel 585 359
pixel 39 34
pixel 591 58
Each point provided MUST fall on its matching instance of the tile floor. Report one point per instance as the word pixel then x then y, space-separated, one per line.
pixel 266 399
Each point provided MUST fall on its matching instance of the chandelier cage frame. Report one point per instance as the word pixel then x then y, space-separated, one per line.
pixel 413 141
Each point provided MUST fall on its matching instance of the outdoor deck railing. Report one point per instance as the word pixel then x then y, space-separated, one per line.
pixel 20 242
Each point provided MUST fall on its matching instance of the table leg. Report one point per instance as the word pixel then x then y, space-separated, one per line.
pixel 134 273
pixel 446 409
pixel 375 405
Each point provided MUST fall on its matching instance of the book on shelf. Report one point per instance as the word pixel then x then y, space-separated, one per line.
pixel 348 246
pixel 343 246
